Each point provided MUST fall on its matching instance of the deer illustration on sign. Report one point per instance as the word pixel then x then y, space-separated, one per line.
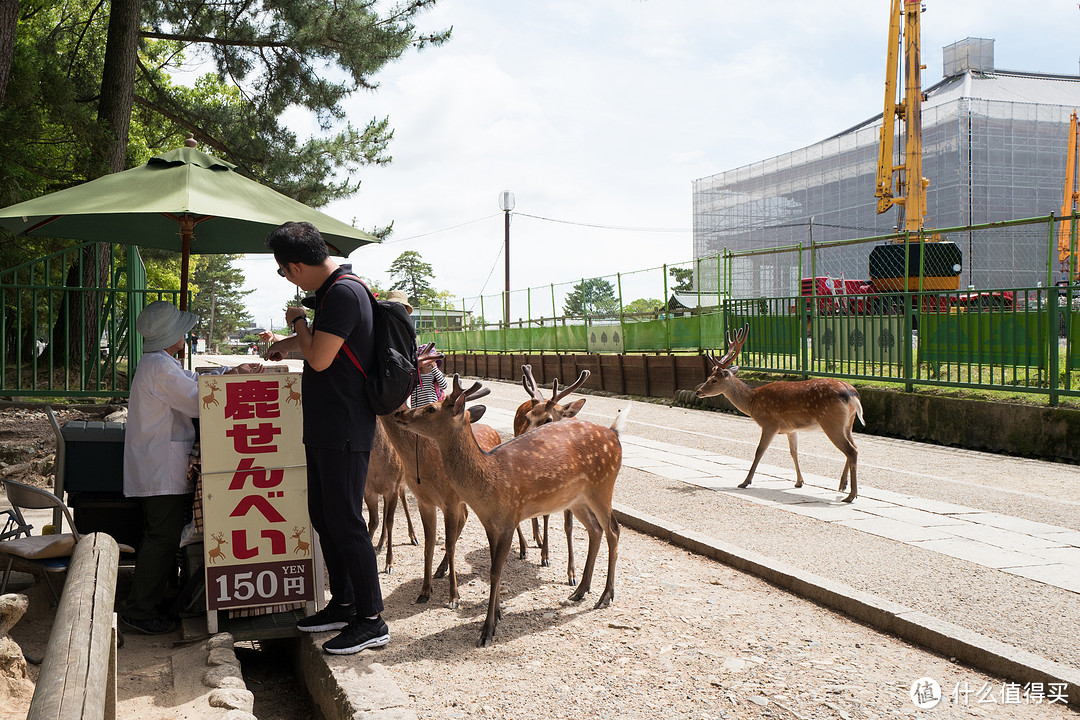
pixel 301 545
pixel 209 398
pixel 294 397
pixel 217 552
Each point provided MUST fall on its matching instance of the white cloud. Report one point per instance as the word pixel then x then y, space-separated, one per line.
pixel 605 111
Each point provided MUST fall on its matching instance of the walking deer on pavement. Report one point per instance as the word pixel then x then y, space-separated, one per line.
pixel 787 407
pixel 569 464
pixel 532 414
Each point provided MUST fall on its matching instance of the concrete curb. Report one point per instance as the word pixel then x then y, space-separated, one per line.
pixel 350 687
pixel 952 641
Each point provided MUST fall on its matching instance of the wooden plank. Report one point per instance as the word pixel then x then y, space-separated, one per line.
pixel 74 678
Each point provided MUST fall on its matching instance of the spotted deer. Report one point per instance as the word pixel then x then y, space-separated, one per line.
pixel 209 399
pixel 569 464
pixel 787 408
pixel 531 414
pixel 426 478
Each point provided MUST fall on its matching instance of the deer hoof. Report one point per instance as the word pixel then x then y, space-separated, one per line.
pixel 423 599
pixel 798 483
pixel 545 562
pixel 571 581
pixel 744 483
pixel 604 601
pixel 452 605
pixel 414 542
pixel 576 597
pixel 389 569
pixel 487 639
pixel 523 554
pixel 849 498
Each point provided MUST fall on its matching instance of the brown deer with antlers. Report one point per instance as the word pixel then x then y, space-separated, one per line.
pixel 386 480
pixel 209 399
pixel 532 414
pixel 294 397
pixel 426 478
pixel 570 464
pixel 787 407
pixel 217 553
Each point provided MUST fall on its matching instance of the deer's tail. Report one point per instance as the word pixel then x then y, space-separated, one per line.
pixel 620 420
pixel 858 409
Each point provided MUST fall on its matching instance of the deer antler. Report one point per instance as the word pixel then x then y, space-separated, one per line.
pixel 734 346
pixel 529 383
pixel 474 392
pixel 557 396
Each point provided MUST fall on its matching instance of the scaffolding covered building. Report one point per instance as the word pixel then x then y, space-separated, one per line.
pixel 994 148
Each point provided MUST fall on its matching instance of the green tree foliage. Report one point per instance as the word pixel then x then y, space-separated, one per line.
pixel 412 275
pixel 684 279
pixel 643 306
pixel 594 297
pixel 218 300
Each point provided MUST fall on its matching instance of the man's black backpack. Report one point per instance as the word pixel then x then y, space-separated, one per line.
pixel 394 376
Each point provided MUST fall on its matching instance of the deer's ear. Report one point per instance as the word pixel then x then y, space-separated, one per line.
pixel 733 369
pixel 573 408
pixel 476 412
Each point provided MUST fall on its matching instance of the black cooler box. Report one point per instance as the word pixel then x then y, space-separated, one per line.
pixel 94 480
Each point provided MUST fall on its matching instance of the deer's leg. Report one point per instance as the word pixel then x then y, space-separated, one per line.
pixel 389 506
pixel 568 528
pixel 592 525
pixel 536 533
pixel 763 445
pixel 499 546
pixel 371 499
pixel 521 543
pixel 428 520
pixel 453 522
pixel 545 561
pixel 793 446
pixel 611 530
pixel 408 518
pixel 841 438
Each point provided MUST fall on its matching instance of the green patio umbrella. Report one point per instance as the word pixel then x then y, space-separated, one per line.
pixel 182 200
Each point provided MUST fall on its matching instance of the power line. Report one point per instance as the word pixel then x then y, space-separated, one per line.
pixel 488 279
pixel 606 227
pixel 434 232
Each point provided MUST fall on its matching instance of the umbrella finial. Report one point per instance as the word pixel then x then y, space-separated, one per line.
pixel 191 141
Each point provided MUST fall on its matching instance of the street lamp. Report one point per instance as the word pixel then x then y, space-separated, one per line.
pixel 506 204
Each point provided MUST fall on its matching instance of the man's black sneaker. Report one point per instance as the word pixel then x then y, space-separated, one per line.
pixel 149 626
pixel 358 635
pixel 331 617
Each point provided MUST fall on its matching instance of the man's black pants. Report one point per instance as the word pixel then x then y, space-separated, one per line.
pixel 336 481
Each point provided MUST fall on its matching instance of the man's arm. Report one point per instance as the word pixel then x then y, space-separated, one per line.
pixel 319 348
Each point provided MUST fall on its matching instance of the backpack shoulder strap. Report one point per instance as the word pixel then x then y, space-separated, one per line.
pixel 345 345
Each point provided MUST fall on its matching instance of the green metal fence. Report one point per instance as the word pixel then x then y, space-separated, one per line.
pixel 809 316
pixel 61 336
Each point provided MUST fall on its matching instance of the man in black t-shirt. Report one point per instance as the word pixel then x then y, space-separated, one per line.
pixel 339 429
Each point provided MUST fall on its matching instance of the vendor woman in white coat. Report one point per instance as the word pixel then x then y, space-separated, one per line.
pixel 159 437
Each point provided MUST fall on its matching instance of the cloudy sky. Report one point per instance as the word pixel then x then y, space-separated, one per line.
pixel 599 115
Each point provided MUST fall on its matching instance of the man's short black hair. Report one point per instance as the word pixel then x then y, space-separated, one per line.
pixel 297 242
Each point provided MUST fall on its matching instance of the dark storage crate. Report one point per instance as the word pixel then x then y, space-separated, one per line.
pixel 93 457
pixel 113 515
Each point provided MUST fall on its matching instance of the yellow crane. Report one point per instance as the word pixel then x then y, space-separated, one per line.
pixel 910 185
pixel 934 265
pixel 1069 206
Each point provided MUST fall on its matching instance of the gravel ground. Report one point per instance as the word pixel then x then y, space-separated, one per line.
pixel 691 638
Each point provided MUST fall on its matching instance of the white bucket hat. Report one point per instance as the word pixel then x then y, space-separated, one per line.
pixel 162 325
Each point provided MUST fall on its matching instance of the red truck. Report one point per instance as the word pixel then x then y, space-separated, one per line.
pixel 839 296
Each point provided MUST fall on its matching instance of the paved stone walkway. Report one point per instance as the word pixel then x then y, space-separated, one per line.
pixel 1037 551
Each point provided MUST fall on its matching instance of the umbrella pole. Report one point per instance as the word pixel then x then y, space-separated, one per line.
pixel 187 229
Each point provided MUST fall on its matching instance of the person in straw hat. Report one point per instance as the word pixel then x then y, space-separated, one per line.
pixel 160 434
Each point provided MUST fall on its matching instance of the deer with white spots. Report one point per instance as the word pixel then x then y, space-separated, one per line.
pixel 787 407
pixel 530 415
pixel 569 464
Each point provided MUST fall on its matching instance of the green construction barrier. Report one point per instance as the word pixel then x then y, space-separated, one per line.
pixel 1017 339
pixel 857 338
